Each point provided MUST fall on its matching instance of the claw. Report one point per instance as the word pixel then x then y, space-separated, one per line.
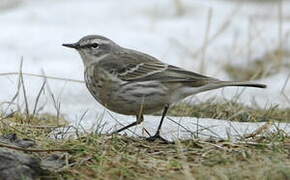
pixel 158 137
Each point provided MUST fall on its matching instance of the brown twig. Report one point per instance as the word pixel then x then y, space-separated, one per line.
pixel 38 75
pixel 39 127
pixel 33 150
pixel 24 91
pixel 205 42
pixel 38 96
pixel 260 130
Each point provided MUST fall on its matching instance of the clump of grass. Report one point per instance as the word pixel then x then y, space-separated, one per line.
pixel 33 127
pixel 129 158
pixel 231 110
pixel 267 65
pixel 92 156
pixel 40 119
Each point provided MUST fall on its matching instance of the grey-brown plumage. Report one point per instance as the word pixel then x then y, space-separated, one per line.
pixel 133 83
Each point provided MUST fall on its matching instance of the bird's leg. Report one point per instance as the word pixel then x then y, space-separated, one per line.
pixel 139 119
pixel 157 134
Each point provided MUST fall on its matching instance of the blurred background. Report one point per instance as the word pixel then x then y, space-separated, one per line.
pixel 226 39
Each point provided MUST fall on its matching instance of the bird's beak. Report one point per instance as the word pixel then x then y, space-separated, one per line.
pixel 74 45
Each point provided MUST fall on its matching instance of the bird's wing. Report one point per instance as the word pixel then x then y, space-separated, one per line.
pixel 136 66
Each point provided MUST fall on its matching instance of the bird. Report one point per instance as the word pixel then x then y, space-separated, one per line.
pixel 131 82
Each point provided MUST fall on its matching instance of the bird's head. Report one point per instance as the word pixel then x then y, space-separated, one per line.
pixel 93 47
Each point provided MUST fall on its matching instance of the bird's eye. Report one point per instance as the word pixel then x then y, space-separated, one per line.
pixel 95 45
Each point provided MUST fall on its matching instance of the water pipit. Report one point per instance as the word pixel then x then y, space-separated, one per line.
pixel 134 83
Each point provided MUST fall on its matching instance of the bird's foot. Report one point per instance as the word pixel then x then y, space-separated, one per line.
pixel 114 132
pixel 158 137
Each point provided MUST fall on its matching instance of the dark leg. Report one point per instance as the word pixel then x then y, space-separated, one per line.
pixel 157 134
pixel 139 119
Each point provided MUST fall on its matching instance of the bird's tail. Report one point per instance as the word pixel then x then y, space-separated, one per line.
pixel 220 84
pixel 240 83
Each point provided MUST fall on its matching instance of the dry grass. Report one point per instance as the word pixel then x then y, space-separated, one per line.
pixel 128 158
pixel 231 110
pixel 265 66
pixel 90 156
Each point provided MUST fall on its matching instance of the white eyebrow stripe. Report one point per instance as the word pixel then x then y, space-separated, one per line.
pixel 101 41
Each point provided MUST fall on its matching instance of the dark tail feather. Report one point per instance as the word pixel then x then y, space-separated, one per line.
pixel 240 83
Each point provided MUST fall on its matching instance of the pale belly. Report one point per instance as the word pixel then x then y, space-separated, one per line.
pixel 130 98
